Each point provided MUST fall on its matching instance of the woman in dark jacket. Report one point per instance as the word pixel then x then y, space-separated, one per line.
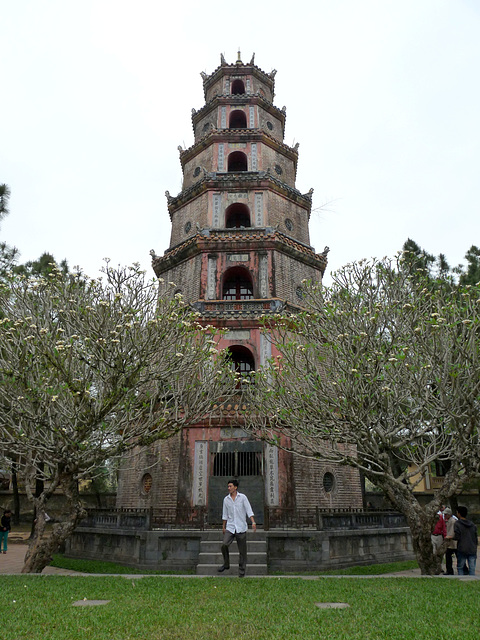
pixel 4 529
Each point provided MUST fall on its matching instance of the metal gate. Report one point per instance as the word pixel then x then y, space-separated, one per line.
pixel 241 460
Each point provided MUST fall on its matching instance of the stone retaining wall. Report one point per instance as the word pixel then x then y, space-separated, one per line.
pixel 287 551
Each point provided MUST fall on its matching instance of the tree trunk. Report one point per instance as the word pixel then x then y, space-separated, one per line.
pixel 420 521
pixel 429 562
pixel 16 496
pixel 41 548
pixel 39 490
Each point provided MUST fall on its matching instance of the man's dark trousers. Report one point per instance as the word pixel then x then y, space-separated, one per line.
pixel 228 538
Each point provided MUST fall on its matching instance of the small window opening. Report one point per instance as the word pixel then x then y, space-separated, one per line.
pixel 238 120
pixel 242 362
pixel 237 285
pixel 147 482
pixel 238 87
pixel 237 215
pixel 328 482
pixel 237 161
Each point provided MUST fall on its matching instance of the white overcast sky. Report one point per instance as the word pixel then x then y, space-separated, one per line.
pixel 383 97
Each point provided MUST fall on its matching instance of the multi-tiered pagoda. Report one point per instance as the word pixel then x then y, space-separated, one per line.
pixel 239 249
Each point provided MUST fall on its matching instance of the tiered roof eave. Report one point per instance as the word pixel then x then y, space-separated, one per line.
pixel 239 180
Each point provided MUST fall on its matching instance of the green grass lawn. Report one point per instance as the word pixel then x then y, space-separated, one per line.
pixel 98 566
pixel 152 608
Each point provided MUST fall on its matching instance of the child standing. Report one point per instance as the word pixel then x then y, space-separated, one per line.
pixel 5 528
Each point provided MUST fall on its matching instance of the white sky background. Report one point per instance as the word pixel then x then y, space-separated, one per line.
pixel 383 96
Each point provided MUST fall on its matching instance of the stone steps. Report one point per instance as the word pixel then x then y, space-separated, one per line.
pixel 210 557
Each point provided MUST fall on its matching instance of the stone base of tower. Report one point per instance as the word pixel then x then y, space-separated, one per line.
pixel 344 541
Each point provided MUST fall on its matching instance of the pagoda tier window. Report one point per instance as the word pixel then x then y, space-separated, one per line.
pixel 241 361
pixel 237 161
pixel 238 120
pixel 237 215
pixel 238 87
pixel 237 285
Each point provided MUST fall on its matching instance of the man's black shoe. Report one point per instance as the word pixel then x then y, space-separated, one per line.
pixel 222 568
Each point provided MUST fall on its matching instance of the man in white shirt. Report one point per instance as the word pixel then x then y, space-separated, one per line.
pixel 236 510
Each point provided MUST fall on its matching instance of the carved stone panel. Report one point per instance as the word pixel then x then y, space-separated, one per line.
pixel 236 196
pixel 271 468
pixel 254 157
pixel 200 474
pixel 238 257
pixel 237 334
pixel 259 209
pixel 217 201
pixel 265 349
pixel 211 277
pixel 252 117
pixel 263 276
pixel 221 157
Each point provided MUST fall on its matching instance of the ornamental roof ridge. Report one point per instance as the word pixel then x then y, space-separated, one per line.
pixel 242 132
pixel 248 234
pixel 300 246
pixel 238 97
pixel 235 66
pixel 172 251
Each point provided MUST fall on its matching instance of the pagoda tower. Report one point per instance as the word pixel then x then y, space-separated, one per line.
pixel 239 250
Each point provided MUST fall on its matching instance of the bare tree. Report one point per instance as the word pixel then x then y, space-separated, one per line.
pixel 381 372
pixel 90 369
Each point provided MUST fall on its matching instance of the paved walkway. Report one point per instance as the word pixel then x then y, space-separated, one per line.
pixel 11 563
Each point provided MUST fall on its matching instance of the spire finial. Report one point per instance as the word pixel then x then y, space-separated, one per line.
pixel 239 59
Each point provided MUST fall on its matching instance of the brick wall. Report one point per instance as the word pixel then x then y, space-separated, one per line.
pixel 308 475
pixel 161 460
pixel 195 211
